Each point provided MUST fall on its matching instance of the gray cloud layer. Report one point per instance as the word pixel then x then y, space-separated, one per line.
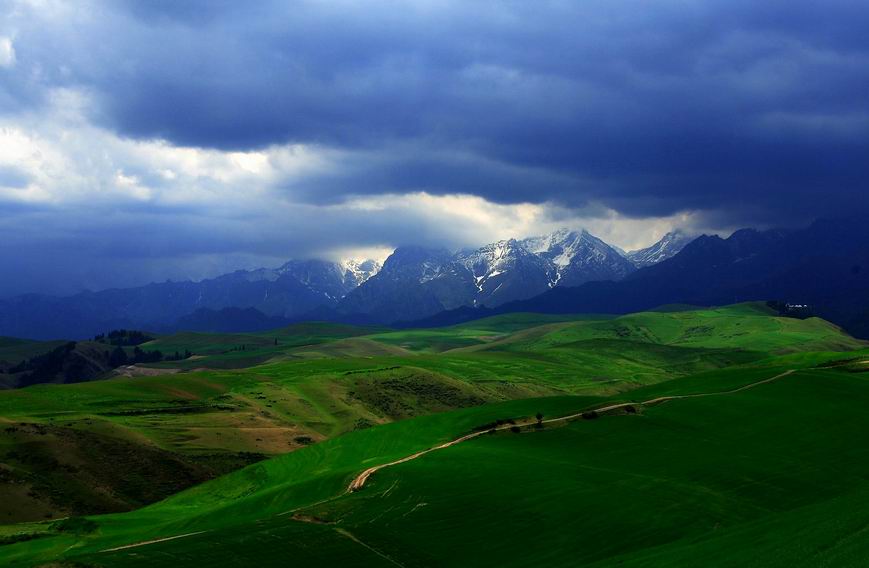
pixel 748 112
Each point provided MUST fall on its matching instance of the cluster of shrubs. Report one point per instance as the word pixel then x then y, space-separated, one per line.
pixel 78 526
pixel 177 356
pixel 119 356
pixel 133 338
pixel 800 311
pixel 123 337
pixel 74 525
pixel 495 424
pixel 63 362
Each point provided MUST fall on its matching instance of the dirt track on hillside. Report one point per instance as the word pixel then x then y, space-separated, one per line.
pixel 360 480
pixel 155 541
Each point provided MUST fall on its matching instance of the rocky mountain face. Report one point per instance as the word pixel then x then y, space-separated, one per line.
pixel 413 280
pixel 334 279
pixel 505 271
pixel 668 247
pixel 579 257
pixel 417 282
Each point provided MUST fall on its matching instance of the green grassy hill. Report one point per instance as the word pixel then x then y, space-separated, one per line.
pixel 615 490
pixel 240 350
pixel 750 327
pixel 342 400
pixel 673 481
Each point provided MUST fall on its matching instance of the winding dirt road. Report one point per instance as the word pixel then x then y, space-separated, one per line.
pixel 155 541
pixel 360 480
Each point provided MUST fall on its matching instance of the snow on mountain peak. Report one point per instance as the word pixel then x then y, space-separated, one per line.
pixel 563 245
pixel 358 271
pixel 669 245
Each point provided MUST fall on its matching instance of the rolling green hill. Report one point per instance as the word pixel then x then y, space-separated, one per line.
pixel 681 476
pixel 672 481
pixel 750 327
pixel 343 400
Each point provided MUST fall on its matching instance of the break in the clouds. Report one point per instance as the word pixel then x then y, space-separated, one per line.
pixel 145 140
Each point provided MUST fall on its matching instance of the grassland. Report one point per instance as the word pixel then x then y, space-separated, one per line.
pixel 620 488
pixel 321 380
pixel 615 490
pixel 670 482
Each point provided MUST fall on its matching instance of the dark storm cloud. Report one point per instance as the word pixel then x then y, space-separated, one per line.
pixel 668 106
pixel 649 108
pixel 750 112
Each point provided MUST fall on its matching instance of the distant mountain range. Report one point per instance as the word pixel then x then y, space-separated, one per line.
pixel 417 282
pixel 280 294
pixel 824 266
pixel 413 283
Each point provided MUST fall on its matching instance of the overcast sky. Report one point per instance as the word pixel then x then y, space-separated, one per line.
pixel 141 141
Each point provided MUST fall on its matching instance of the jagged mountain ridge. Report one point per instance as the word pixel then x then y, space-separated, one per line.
pixel 669 246
pixel 417 282
pixel 333 279
pixel 413 282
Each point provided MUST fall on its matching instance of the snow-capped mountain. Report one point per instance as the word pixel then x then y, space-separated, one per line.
pixel 417 282
pixel 414 280
pixel 356 272
pixel 505 271
pixel 579 257
pixel 333 279
pixel 669 246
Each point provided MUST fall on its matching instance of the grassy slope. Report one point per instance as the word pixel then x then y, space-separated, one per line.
pixel 50 470
pixel 744 326
pixel 215 350
pixel 290 481
pixel 712 481
pixel 326 381
pixel 608 355
pixel 321 387
pixel 676 476
pixel 323 380
pixel 477 332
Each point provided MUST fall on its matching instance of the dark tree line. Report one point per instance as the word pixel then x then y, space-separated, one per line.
pixel 47 364
pixel 123 337
pixel 119 356
pixel 178 356
pixel 64 362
